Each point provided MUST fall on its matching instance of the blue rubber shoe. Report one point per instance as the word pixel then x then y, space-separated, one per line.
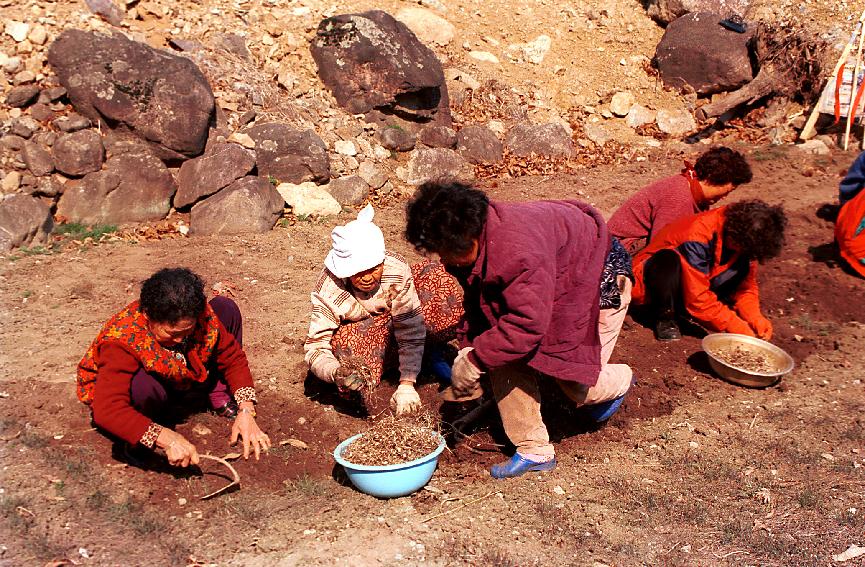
pixel 603 411
pixel 439 367
pixel 518 466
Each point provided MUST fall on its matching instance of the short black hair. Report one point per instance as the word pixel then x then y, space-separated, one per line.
pixel 445 217
pixel 721 165
pixel 172 294
pixel 756 228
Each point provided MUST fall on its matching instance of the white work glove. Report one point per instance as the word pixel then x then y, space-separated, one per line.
pixel 405 400
pixel 465 375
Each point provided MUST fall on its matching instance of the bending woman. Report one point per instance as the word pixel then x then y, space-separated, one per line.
pixel 170 348
pixel 371 309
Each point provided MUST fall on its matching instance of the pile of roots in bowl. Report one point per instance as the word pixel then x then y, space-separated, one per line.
pixel 746 359
pixel 394 440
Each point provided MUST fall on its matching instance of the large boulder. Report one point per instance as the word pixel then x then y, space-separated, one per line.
pixel 479 144
pixel 134 187
pixel 697 51
pixel 665 11
pixel 250 204
pixel 162 97
pixel 79 153
pixel 218 168
pixel 549 139
pixel 371 60
pixel 290 155
pixel 438 164
pixel 24 221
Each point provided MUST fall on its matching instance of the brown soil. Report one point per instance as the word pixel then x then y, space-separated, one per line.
pixel 692 470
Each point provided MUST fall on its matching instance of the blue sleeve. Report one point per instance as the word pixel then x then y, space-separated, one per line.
pixel 854 181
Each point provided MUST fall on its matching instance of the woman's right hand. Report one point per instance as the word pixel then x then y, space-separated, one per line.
pixel 180 452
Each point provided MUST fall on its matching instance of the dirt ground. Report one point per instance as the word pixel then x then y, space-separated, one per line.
pixel 692 471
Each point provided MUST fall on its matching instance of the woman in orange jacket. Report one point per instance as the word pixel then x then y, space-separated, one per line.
pixel 706 265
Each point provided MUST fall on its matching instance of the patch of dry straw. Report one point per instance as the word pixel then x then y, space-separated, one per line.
pixel 394 440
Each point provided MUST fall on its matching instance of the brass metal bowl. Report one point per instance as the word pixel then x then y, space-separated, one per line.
pixel 782 361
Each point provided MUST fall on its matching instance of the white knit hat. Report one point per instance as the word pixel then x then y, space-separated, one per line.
pixel 357 246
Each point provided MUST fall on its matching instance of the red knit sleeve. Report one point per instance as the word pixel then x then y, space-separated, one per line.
pixel 232 363
pixel 112 403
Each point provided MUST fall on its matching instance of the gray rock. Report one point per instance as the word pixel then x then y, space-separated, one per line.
pixel 52 94
pixel 12 142
pixel 709 58
pixel 639 115
pixel 308 199
pixel 597 133
pixel 47 139
pixel 72 123
pixel 676 122
pixel 437 164
pixel 78 153
pixel 397 139
pixel 42 113
pixel 47 187
pixel 426 25
pixel 373 176
pixel 665 11
pixel 351 190
pixel 621 103
pixel 479 144
pixel 133 187
pixel 219 167
pixel 290 155
pixel 371 60
pixel 815 147
pixel 234 43
pixel 24 221
pixel 163 98
pixel 438 137
pixel 37 159
pixel 540 139
pixel 23 127
pixel 22 96
pixel 250 204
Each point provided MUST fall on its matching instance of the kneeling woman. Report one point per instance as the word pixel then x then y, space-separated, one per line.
pixel 370 307
pixel 170 348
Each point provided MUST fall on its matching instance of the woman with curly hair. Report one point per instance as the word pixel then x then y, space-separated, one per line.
pixel 713 176
pixel 170 348
pixel 546 291
pixel 706 265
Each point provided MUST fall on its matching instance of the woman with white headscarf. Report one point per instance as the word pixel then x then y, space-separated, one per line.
pixel 370 308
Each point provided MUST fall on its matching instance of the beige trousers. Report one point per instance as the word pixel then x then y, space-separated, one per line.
pixel 517 394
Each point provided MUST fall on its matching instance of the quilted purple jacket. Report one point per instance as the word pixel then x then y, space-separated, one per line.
pixel 532 295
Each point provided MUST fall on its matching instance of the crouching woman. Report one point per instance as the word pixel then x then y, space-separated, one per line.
pixel 164 355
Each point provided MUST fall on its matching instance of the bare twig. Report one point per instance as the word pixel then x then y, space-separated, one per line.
pixel 460 507
pixel 235 482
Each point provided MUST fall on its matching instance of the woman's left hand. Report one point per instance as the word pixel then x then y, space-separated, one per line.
pixel 254 439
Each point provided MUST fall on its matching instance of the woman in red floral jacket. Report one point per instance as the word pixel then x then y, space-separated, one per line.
pixel 170 347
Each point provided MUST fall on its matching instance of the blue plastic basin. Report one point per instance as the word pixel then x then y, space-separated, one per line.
pixel 390 481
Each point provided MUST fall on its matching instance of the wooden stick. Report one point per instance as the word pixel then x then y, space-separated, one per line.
pixel 809 131
pixel 235 482
pixel 460 507
pixel 854 87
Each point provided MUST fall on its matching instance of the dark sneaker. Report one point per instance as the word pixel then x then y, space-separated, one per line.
pixel 667 330
pixel 228 410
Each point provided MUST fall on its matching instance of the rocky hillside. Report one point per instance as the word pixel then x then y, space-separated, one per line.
pixel 224 116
